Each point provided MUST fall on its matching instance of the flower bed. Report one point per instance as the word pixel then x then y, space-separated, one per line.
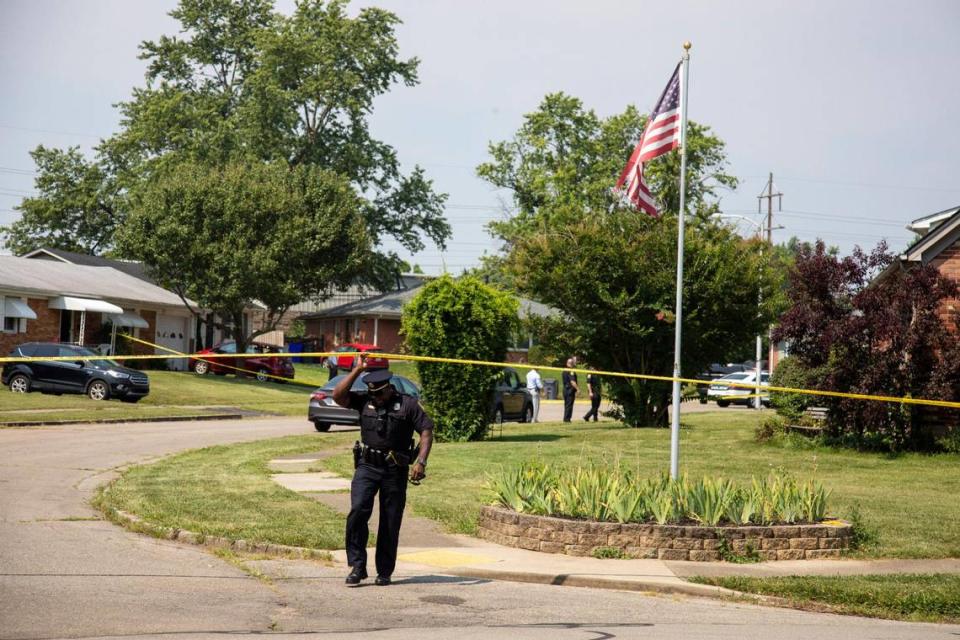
pixel 666 542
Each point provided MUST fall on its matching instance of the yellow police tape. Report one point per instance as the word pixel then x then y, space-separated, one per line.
pixel 485 363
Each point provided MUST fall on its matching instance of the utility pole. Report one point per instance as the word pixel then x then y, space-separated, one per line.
pixel 769 194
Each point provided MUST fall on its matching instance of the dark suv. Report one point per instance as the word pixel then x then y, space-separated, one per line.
pixel 89 373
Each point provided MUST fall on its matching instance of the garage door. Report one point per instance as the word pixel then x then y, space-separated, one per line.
pixel 172 332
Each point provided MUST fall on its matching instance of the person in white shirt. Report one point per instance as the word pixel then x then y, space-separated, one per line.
pixel 535 387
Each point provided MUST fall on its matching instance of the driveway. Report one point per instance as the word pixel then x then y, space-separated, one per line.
pixel 66 573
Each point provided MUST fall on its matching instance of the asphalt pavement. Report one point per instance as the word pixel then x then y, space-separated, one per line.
pixel 66 573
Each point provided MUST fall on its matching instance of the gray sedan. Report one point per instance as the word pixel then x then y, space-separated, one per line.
pixel 323 412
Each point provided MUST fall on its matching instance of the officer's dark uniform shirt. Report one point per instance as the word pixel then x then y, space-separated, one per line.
pixel 568 377
pixel 391 427
pixel 594 381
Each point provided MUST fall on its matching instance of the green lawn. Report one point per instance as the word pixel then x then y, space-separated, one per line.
pixel 922 598
pixel 171 393
pixel 906 499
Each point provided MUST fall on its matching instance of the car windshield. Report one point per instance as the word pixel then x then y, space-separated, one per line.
pixel 91 356
pixel 735 376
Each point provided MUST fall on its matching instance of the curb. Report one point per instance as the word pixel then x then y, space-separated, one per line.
pixel 47 423
pixel 595 582
pixel 138 525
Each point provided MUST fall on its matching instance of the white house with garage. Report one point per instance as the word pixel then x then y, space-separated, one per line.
pixel 48 299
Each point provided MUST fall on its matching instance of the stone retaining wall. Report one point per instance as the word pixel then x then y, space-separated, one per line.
pixel 666 542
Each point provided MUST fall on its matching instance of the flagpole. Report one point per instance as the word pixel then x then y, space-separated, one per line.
pixel 675 424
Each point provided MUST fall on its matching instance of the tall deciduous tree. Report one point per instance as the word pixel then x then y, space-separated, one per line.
pixel 264 232
pixel 242 82
pixel 611 270
pixel 612 275
pixel 76 209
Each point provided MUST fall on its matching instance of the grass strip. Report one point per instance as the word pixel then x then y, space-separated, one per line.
pixel 913 597
pixel 227 491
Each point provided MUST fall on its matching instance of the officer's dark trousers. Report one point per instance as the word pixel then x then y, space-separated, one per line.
pixel 594 408
pixel 568 398
pixel 391 483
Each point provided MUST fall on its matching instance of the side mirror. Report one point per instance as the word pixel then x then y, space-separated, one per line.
pixel 80 363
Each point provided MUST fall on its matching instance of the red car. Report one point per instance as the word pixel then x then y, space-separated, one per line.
pixel 345 363
pixel 263 367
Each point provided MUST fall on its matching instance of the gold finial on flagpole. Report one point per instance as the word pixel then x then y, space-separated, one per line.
pixel 687 45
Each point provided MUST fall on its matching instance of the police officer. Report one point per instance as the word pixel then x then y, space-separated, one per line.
pixel 383 460
pixel 570 388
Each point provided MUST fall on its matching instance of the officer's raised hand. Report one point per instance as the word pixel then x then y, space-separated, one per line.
pixel 341 393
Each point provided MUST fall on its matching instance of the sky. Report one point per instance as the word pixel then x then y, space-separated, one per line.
pixel 851 105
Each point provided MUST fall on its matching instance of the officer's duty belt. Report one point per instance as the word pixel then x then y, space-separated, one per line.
pixel 379 458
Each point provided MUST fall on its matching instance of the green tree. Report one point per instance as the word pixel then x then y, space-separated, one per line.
pixel 76 209
pixel 612 276
pixel 564 159
pixel 264 232
pixel 242 82
pixel 460 319
pixel 572 244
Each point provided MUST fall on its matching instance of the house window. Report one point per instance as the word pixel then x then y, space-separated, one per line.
pixel 12 325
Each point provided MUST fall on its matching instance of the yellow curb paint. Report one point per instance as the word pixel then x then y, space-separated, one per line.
pixel 443 558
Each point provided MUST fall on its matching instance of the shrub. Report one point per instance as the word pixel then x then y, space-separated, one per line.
pixel 791 372
pixel 769 428
pixel 615 495
pixel 460 319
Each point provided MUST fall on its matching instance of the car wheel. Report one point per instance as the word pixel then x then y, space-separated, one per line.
pixel 263 374
pixel 98 390
pixel 321 426
pixel 201 368
pixel 498 416
pixel 723 403
pixel 528 413
pixel 20 383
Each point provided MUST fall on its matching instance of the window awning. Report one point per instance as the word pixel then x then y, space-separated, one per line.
pixel 18 309
pixel 128 320
pixel 70 303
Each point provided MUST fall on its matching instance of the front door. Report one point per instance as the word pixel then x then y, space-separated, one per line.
pixel 66 325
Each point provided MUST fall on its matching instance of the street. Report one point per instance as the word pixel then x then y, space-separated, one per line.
pixel 66 573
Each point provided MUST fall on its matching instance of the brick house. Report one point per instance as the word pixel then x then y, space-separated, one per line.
pixel 376 321
pixel 939 245
pixel 56 301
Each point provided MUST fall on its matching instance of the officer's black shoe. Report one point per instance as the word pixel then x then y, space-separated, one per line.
pixel 382 581
pixel 356 575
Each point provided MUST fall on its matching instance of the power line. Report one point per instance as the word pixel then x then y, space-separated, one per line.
pixel 872 185
pixel 63 133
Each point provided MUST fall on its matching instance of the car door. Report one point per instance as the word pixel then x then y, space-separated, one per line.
pixel 71 374
pixel 224 365
pixel 44 373
pixel 512 394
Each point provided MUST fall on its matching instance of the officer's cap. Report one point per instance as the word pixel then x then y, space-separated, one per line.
pixel 376 380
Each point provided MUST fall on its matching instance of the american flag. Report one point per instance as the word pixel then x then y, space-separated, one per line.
pixel 661 134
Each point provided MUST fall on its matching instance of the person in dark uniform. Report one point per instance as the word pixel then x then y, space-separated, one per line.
pixel 593 386
pixel 570 389
pixel 382 459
